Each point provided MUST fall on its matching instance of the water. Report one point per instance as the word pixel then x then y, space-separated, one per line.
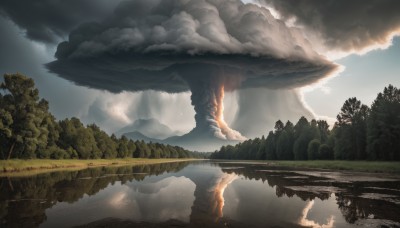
pixel 200 194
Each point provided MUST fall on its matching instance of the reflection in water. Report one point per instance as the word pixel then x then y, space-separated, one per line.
pixel 218 192
pixel 200 194
pixel 310 223
pixel 118 200
pixel 38 200
pixel 158 201
pixel 353 199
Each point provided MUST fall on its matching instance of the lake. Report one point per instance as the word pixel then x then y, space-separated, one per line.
pixel 200 194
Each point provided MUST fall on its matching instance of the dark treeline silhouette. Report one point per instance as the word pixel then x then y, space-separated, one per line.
pixel 360 133
pixel 23 201
pixel 309 187
pixel 28 130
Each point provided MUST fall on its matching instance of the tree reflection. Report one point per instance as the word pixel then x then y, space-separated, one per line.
pixel 352 198
pixel 355 208
pixel 23 200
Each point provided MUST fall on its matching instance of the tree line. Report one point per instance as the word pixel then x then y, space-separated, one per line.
pixel 359 133
pixel 28 130
pixel 68 187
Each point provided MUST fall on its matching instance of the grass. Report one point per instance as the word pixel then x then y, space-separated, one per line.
pixel 359 166
pixel 18 165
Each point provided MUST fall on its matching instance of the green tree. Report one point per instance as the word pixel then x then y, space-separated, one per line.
pixel 21 101
pixel 261 155
pixel 270 150
pixel 313 148
pixel 106 146
pixel 325 152
pixel 323 128
pixel 284 146
pixel 303 136
pixel 74 135
pixel 85 144
pixel 123 149
pixel 384 126
pixel 6 122
pixel 132 149
pixel 351 126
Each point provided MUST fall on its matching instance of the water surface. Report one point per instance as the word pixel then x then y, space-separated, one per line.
pixel 200 194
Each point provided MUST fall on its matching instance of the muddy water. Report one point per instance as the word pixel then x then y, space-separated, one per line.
pixel 200 194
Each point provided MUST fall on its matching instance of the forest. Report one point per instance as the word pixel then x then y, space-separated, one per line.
pixel 359 133
pixel 28 130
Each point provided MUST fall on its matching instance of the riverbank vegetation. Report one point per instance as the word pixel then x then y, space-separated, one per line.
pixel 33 165
pixel 29 131
pixel 359 166
pixel 360 133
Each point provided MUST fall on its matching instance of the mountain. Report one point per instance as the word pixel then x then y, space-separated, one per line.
pixel 139 136
pixel 197 141
pixel 150 128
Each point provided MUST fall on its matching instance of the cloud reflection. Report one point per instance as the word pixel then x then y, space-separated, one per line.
pixel 311 223
pixel 119 200
pixel 151 200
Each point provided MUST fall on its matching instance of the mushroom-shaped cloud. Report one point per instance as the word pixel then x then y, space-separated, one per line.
pixel 205 46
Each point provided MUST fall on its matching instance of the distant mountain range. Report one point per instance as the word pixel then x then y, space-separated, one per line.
pixel 148 128
pixel 151 130
pixel 139 136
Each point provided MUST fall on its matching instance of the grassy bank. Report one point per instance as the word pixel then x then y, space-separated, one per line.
pixel 360 166
pixel 17 165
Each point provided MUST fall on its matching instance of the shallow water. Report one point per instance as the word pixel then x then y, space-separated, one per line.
pixel 200 194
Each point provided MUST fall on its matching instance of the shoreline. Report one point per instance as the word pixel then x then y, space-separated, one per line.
pixel 385 167
pixel 36 166
pixel 19 167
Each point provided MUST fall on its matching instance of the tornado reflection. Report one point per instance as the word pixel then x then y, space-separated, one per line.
pixel 310 223
pixel 218 193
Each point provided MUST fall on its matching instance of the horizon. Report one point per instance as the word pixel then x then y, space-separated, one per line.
pixel 365 69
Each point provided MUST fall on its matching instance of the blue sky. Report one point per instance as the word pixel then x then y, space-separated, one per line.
pixel 364 77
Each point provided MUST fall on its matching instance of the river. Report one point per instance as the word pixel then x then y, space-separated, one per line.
pixel 200 194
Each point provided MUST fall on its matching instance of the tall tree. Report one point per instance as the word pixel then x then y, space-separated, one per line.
pixel 303 136
pixel 313 148
pixel 384 126
pixel 350 132
pixel 21 101
pixel 107 147
pixel 323 128
pixel 123 149
pixel 270 150
pixel 6 133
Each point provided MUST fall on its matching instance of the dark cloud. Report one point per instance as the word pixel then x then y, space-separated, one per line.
pixel 19 54
pixel 344 25
pixel 49 20
pixel 164 45
pixel 207 47
pixel 173 73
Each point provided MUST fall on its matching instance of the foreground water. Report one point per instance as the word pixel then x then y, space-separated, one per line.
pixel 200 194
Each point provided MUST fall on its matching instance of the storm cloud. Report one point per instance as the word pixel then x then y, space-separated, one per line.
pixel 207 47
pixel 51 20
pixel 349 26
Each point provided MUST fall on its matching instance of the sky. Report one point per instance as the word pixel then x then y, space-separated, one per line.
pixel 369 56
pixel 364 77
